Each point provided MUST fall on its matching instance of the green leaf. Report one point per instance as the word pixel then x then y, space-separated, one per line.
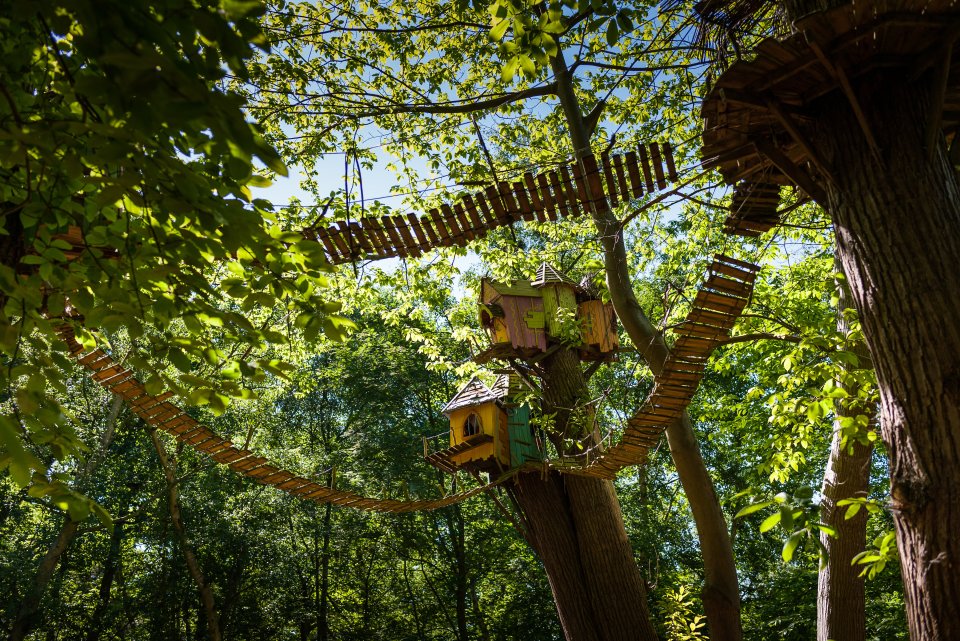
pixel 750 509
pixel 791 545
pixel 770 522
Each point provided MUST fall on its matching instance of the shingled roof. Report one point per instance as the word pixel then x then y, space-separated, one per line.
pixel 473 393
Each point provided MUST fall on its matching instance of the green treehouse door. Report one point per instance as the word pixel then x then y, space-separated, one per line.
pixel 523 442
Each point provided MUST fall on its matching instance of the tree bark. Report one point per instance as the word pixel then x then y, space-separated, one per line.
pixel 576 528
pixel 898 237
pixel 721 593
pixel 204 589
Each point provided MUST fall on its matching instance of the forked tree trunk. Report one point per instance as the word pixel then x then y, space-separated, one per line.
pixel 898 236
pixel 841 603
pixel 576 527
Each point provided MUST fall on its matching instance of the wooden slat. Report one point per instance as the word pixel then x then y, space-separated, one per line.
pixel 509 202
pixel 449 217
pixel 657 161
pixel 535 201
pixel 376 229
pixel 526 209
pixel 471 208
pixel 635 180
pixel 465 223
pixel 581 182
pixel 549 201
pixel 618 164
pixel 569 191
pixel 395 239
pixel 427 226
pixel 488 216
pixel 608 175
pixel 441 227
pixel 671 166
pixel 559 194
pixel 493 197
pixel 406 236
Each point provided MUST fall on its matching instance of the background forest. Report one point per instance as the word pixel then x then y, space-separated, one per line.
pixel 157 131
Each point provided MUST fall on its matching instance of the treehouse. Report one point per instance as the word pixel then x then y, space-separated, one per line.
pixel 523 319
pixel 488 432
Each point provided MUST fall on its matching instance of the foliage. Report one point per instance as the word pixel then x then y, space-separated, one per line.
pixel 125 186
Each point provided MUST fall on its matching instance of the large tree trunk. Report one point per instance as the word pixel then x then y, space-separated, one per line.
pixel 576 527
pixel 721 593
pixel 841 614
pixel 898 237
pixel 207 600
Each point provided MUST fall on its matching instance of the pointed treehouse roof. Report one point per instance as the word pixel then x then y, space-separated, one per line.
pixel 471 394
pixel 547 274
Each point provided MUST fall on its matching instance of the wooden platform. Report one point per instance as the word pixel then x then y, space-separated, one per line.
pixel 754 116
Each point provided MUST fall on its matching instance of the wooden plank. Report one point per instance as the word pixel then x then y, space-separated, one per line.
pixel 671 166
pixel 408 240
pixel 376 247
pixel 336 235
pixel 387 248
pixel 493 197
pixel 464 221
pixel 636 180
pixel 559 195
pixel 509 203
pixel 549 202
pixel 657 161
pixel 471 208
pixel 594 183
pixel 583 196
pixel 645 164
pixel 431 233
pixel 441 227
pixel 363 238
pixel 535 201
pixel 570 192
pixel 610 180
pixel 618 165
pixel 488 216
pixel 733 272
pixel 739 263
pixel 450 218
pixel 395 239
pixel 526 209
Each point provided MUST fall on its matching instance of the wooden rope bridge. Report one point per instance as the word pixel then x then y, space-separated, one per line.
pixel 568 191
pixel 565 191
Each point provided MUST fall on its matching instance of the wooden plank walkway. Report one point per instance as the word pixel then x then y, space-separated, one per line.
pixel 537 197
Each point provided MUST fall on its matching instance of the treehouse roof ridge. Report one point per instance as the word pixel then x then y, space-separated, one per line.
pixel 475 392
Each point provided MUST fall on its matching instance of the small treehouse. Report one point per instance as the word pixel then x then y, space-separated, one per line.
pixel 488 432
pixel 526 318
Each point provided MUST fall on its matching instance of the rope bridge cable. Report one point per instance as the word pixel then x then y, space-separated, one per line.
pixel 158 412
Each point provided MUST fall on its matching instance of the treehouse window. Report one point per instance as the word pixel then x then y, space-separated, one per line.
pixel 471 426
